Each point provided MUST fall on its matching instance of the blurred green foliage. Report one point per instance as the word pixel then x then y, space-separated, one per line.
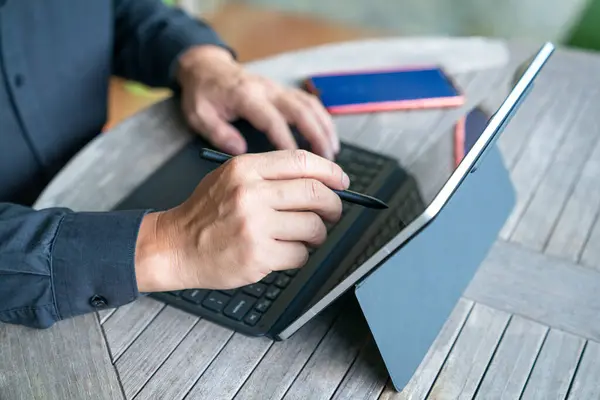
pixel 586 32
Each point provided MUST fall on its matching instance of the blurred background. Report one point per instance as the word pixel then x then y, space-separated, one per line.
pixel 260 28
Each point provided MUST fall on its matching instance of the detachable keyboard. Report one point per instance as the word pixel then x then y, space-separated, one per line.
pixel 256 308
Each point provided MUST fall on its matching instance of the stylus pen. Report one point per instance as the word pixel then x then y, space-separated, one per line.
pixel 346 195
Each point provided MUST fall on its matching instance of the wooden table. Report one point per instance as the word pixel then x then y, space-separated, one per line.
pixel 527 325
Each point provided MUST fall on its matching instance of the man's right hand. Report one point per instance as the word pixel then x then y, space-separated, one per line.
pixel 255 214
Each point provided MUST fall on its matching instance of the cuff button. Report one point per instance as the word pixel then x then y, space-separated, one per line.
pixel 98 301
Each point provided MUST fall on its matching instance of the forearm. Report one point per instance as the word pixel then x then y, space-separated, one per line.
pixel 150 37
pixel 56 264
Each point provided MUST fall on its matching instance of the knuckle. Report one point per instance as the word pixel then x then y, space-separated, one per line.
pixel 335 170
pixel 249 89
pixel 317 229
pixel 241 197
pixel 313 189
pixel 300 258
pixel 237 167
pixel 303 258
pixel 301 157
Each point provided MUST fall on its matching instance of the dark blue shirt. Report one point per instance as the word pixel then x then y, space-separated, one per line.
pixel 56 58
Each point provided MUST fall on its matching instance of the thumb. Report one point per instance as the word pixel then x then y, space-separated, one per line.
pixel 220 133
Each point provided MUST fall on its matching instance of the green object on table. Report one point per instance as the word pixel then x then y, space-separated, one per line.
pixel 586 32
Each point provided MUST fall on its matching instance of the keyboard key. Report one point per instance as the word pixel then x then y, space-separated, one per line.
pixel 256 289
pixel 291 272
pixel 195 295
pixel 269 278
pixel 239 306
pixel 216 301
pixel 263 305
pixel 176 293
pixel 282 281
pixel 272 293
pixel 229 292
pixel 252 318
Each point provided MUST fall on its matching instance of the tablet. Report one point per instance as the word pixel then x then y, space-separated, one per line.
pixel 438 197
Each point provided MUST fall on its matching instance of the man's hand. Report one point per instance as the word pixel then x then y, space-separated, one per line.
pixel 217 90
pixel 255 214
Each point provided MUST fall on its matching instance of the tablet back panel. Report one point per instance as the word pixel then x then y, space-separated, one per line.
pixel 407 300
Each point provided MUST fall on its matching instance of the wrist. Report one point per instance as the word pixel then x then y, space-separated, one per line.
pixel 152 257
pixel 193 59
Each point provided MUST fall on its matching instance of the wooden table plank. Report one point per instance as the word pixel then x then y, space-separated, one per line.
pixel 507 374
pixel 366 378
pixel 545 138
pixel 126 324
pixel 476 343
pixel 420 385
pixel 72 353
pixel 546 289
pixel 186 364
pixel 283 362
pixel 515 139
pixel 585 384
pixel 591 253
pixel 539 218
pixel 554 369
pixel 231 368
pixel 103 315
pixel 152 348
pixel 331 360
pixel 572 231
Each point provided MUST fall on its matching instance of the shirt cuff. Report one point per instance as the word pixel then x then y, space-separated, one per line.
pixel 93 261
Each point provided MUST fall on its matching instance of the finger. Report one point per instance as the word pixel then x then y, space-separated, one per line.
pixel 263 115
pixel 287 255
pixel 306 227
pixel 301 115
pixel 323 117
pixel 296 164
pixel 216 130
pixel 302 195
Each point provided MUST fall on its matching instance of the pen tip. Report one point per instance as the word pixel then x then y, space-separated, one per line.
pixel 381 204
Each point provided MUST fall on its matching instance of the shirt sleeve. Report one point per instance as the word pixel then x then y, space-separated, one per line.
pixel 149 38
pixel 56 264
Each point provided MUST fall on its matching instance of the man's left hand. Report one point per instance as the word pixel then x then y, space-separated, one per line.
pixel 216 90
